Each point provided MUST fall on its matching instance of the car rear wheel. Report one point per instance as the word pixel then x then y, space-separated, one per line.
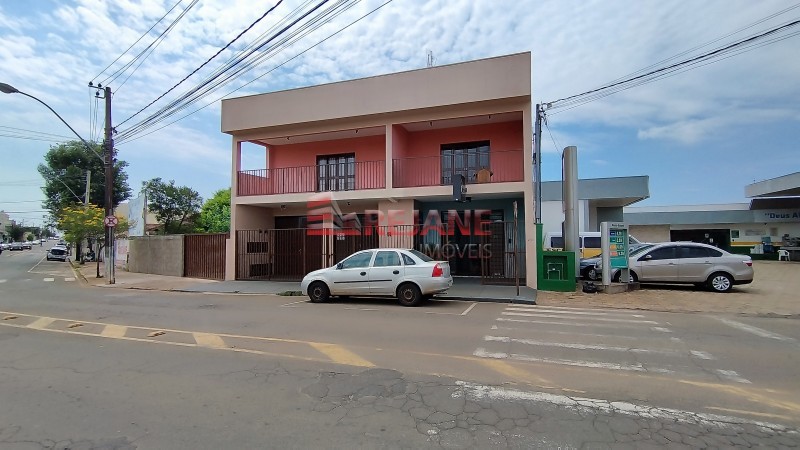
pixel 720 282
pixel 318 292
pixel 409 295
pixel 591 273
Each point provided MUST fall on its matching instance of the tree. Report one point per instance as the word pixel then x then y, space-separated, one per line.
pixel 81 222
pixel 215 217
pixel 177 207
pixel 15 231
pixel 64 173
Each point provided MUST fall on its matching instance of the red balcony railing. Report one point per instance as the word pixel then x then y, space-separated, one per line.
pixel 292 180
pixel 503 166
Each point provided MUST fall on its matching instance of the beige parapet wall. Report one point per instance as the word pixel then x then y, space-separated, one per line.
pixel 159 255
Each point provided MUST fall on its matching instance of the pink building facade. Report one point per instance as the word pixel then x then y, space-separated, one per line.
pixel 371 162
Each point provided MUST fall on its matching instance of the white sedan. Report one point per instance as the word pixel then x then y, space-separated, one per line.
pixel 409 275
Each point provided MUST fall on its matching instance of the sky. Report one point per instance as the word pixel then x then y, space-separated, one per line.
pixel 701 135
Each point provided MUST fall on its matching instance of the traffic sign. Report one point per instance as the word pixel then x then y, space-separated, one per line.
pixel 111 221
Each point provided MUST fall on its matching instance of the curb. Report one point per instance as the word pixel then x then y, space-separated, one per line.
pixel 78 273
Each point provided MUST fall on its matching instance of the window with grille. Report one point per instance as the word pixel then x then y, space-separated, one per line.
pixel 336 172
pixel 465 158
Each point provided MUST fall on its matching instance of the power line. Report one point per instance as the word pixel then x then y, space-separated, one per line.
pixel 194 94
pixel 121 70
pixel 149 51
pixel 748 44
pixel 205 62
pixel 275 50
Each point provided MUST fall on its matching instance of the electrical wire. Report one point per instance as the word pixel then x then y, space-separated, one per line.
pixel 7 129
pixel 274 50
pixel 735 48
pixel 303 30
pixel 206 61
pixel 147 51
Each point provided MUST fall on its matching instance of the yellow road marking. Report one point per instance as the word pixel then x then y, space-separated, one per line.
pixel 513 372
pixel 749 394
pixel 114 331
pixel 208 340
pixel 751 413
pixel 41 323
pixel 341 355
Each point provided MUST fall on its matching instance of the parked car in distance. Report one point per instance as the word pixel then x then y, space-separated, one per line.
pixel 27 245
pixel 690 263
pixel 57 253
pixel 4 246
pixel 409 275
pixel 588 266
pixel 16 246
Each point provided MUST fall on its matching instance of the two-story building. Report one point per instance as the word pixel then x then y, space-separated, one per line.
pixel 372 162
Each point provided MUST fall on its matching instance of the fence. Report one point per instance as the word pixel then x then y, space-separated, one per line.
pixel 204 256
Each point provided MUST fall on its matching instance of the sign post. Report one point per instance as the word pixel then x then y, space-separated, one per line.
pixel 614 245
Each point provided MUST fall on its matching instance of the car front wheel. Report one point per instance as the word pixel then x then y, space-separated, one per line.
pixel 318 292
pixel 409 295
pixel 720 282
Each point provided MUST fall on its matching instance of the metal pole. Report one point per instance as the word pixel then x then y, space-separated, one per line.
pixel 88 182
pixel 516 254
pixel 109 198
pixel 537 163
pixel 570 198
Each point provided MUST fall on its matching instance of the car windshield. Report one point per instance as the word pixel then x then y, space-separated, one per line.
pixel 421 256
pixel 640 249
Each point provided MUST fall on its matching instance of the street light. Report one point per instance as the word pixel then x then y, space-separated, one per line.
pixel 108 163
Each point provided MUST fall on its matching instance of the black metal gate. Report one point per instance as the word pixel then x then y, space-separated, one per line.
pixel 284 255
pixel 503 254
pixel 289 254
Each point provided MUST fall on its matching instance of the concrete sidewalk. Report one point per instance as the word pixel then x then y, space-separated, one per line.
pixel 470 290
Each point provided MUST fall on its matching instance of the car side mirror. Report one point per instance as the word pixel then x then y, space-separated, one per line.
pixel 339 266
pixel 647 257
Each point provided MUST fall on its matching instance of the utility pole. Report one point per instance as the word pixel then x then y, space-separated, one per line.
pixel 537 163
pixel 109 206
pixel 88 182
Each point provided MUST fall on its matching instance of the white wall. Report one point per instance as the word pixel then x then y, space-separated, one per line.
pixel 553 215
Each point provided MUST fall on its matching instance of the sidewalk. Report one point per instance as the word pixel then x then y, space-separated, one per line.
pixel 773 293
pixel 462 290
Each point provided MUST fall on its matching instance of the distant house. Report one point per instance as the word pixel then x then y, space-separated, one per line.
pixel 143 220
pixel 5 221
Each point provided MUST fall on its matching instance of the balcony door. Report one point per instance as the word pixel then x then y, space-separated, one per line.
pixel 465 158
pixel 336 172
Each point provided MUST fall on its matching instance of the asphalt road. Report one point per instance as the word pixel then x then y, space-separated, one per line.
pixel 88 367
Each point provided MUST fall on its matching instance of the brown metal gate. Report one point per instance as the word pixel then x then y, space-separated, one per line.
pixel 502 254
pixel 285 255
pixel 204 256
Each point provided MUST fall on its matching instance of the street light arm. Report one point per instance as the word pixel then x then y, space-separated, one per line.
pixel 65 123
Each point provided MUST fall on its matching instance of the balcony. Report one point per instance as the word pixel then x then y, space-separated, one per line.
pixel 319 178
pixel 491 167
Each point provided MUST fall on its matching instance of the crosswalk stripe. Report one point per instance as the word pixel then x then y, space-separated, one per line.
pixel 581 346
pixel 116 331
pixel 568 324
pixel 755 330
pixel 49 279
pixel 41 323
pixel 69 279
pixel 578 313
pixel 570 333
pixel 732 376
pixel 483 353
pixel 562 317
pixel 3 281
pixel 209 340
pixel 570 308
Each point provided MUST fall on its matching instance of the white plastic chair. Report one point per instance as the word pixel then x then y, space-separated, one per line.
pixel 783 255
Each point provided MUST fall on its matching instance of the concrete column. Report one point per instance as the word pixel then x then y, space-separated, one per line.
pixel 230 247
pixel 571 206
pixel 529 199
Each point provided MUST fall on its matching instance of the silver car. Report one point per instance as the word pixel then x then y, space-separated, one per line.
pixel 409 275
pixel 690 263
